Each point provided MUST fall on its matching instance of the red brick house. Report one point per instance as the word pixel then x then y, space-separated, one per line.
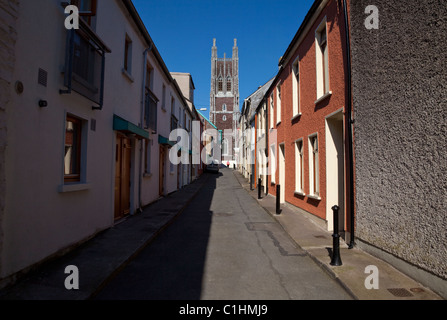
pixel 306 105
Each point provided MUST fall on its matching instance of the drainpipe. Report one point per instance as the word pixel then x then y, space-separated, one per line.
pixel 350 124
pixel 143 89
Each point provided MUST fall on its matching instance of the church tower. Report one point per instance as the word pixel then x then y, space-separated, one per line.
pixel 224 97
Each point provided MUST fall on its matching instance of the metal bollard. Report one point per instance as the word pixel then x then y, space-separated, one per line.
pixel 259 188
pixel 278 199
pixel 336 260
pixel 251 182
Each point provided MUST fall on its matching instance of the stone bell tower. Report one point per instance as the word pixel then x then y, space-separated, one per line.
pixel 224 97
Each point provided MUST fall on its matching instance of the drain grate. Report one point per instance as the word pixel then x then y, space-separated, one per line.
pixel 400 292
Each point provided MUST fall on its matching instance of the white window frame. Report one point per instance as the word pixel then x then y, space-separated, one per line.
pixel 299 167
pixel 314 171
pixel 322 62
pixel 272 113
pixel 273 163
pixel 296 85
pixel 278 103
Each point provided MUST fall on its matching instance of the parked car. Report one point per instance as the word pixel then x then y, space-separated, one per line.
pixel 213 167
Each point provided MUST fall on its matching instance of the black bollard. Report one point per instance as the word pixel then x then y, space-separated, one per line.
pixel 251 182
pixel 336 260
pixel 259 188
pixel 278 199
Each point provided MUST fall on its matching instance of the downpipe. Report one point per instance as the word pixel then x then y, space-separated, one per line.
pixel 350 124
pixel 140 175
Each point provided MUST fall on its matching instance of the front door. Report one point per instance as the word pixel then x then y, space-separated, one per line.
pixel 122 176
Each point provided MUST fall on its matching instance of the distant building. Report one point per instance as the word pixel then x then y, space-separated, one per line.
pixel 224 97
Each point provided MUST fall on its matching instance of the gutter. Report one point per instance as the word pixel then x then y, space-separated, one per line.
pixel 350 124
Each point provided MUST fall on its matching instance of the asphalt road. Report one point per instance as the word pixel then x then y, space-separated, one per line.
pixel 224 246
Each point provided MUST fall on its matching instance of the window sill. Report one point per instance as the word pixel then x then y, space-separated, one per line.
pixel 296 116
pixel 64 188
pixel 127 75
pixel 311 196
pixel 300 193
pixel 323 97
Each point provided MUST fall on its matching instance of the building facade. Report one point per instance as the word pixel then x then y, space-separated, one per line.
pixel 399 102
pixel 88 114
pixel 307 121
pixel 224 98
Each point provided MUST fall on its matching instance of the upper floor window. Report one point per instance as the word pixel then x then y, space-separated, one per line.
pixel 150 110
pixel 85 64
pixel 272 108
pixel 224 107
pixel 128 55
pixel 322 60
pixel 87 9
pixel 296 87
pixel 278 103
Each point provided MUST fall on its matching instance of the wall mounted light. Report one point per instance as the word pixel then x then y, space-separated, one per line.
pixel 43 103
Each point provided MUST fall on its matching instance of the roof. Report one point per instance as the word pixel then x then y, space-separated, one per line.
pixel 255 100
pixel 200 114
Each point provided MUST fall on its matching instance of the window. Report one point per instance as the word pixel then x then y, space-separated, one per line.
pixel 296 87
pixel 72 158
pixel 225 147
pixel 314 166
pixel 150 110
pixel 299 165
pixel 273 163
pixel 322 61
pixel 85 59
pixel 163 98
pixel 172 105
pixel 229 84
pixel 220 84
pixel 147 157
pixel 272 108
pixel 128 55
pixel 224 118
pixel 278 103
pixel 224 107
pixel 87 9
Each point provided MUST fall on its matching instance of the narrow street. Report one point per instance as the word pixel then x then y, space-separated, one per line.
pixel 223 246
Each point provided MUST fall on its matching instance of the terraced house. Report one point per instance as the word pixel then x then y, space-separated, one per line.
pixel 88 113
pixel 307 119
pixel 354 118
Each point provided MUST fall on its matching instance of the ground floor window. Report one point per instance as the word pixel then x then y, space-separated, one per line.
pixel 299 165
pixel 73 145
pixel 314 166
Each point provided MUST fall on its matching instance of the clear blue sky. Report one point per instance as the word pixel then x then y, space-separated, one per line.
pixel 183 32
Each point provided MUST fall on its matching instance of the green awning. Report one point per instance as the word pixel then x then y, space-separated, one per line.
pixel 165 141
pixel 119 124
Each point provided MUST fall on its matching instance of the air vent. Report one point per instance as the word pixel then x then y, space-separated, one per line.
pixel 43 77
pixel 400 292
